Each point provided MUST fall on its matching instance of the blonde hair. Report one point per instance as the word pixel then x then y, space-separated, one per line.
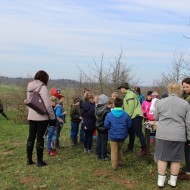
pixel 114 95
pixel 175 87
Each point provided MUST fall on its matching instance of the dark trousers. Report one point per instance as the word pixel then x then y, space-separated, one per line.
pixel 187 157
pixel 101 145
pixel 88 137
pixel 136 129
pixel 37 130
pixel 82 133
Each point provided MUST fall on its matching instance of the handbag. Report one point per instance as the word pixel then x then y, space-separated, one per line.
pixel 35 101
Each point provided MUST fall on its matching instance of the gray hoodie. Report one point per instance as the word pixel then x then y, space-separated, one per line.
pixel 173 116
pixel 33 115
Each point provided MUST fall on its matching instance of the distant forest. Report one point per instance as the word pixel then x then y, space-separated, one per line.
pixel 61 83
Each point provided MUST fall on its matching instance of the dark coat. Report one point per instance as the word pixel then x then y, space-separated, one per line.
pixel 75 113
pixel 88 115
pixel 101 112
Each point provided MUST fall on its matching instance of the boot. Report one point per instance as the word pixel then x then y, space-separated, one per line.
pixel 75 140
pixel 72 140
pixel 29 150
pixel 173 180
pixel 161 180
pixel 143 151
pixel 39 151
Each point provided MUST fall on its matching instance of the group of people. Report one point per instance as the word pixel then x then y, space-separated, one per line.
pixel 115 119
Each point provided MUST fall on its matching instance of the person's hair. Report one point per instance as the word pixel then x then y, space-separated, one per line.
pixel 174 87
pixel 115 95
pixel 137 89
pixel 118 102
pixel 186 80
pixel 42 76
pixel 86 90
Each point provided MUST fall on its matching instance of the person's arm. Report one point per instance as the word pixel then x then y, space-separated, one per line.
pixel 107 122
pixel 156 113
pixel 130 101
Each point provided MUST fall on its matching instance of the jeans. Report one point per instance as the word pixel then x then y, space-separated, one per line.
pixel 51 138
pixel 136 128
pixel 88 136
pixel 101 145
pixel 116 153
pixel 74 129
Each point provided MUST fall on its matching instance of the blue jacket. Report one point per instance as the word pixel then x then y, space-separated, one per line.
pixel 117 122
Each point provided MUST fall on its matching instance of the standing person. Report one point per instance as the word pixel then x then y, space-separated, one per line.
pixel 2 111
pixel 75 121
pixel 61 116
pixel 140 96
pixel 89 122
pixel 51 133
pixel 103 107
pixel 173 129
pixel 132 106
pixel 117 122
pixel 86 92
pixel 185 175
pixel 38 123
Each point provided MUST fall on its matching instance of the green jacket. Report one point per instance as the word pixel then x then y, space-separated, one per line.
pixel 132 105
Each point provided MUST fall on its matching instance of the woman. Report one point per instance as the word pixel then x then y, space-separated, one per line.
pixel 173 116
pixel 185 175
pixel 141 96
pixel 38 123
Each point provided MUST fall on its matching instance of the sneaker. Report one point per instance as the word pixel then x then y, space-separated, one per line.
pixel 90 151
pixel 85 150
pixel 53 153
pixel 106 159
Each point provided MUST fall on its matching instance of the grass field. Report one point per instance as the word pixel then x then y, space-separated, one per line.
pixel 71 168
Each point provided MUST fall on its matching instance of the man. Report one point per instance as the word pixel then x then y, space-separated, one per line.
pixel 132 106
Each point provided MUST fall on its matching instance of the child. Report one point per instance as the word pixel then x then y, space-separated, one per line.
pixel 114 95
pixel 117 122
pixel 103 107
pixel 75 121
pixel 89 122
pixel 51 132
pixel 146 105
pixel 2 112
pixel 60 114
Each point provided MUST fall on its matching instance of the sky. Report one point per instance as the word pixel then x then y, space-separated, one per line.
pixel 64 36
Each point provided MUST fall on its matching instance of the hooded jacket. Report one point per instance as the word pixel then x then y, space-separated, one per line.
pixel 88 115
pixel 132 105
pixel 101 112
pixel 117 122
pixel 33 115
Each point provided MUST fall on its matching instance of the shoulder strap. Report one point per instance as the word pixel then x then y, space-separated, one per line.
pixel 36 88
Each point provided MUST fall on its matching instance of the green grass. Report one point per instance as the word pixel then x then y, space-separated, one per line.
pixel 71 168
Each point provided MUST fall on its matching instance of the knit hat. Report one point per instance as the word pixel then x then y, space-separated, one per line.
pixel 53 99
pixel 154 94
pixel 57 93
pixel 124 85
pixel 149 93
pixel 102 99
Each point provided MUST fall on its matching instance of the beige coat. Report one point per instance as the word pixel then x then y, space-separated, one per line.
pixel 33 115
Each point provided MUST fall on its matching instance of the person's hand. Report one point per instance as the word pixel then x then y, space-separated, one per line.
pixel 52 122
pixel 64 113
